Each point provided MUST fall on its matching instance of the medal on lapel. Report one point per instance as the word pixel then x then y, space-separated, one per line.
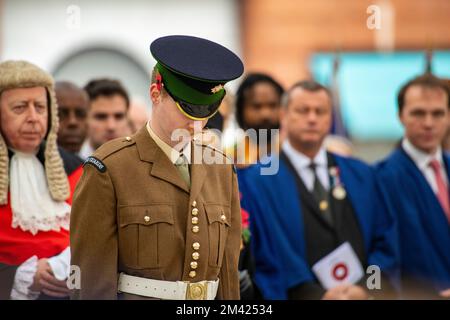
pixel 338 191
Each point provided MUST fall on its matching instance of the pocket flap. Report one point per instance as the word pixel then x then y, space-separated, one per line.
pixel 146 214
pixel 218 213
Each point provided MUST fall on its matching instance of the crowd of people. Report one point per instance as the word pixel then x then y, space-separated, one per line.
pixel 84 178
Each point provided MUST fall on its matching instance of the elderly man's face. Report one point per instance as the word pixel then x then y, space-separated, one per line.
pixel 24 118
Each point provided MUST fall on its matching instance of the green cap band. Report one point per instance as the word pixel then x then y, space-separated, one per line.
pixel 181 90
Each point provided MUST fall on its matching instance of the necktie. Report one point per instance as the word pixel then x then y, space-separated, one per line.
pixel 183 168
pixel 442 190
pixel 321 195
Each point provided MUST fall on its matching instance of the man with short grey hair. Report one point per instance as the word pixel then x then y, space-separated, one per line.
pixel 318 223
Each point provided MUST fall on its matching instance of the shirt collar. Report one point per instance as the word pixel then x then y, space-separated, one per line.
pixel 422 159
pixel 86 150
pixel 170 152
pixel 302 161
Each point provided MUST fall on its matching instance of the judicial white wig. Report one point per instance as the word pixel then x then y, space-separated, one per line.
pixel 22 74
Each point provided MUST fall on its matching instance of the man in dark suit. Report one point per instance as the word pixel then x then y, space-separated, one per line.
pixel 314 204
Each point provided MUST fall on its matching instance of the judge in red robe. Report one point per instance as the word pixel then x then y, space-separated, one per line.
pixel 36 184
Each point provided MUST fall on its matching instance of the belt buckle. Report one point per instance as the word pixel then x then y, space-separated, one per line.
pixel 197 291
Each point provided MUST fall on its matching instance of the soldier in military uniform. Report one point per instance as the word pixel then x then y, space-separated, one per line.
pixel 149 220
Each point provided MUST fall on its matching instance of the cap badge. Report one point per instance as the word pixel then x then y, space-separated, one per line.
pixel 217 88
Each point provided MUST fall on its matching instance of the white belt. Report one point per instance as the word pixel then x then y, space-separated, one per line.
pixel 168 290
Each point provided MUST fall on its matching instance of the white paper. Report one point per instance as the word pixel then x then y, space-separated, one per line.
pixel 340 266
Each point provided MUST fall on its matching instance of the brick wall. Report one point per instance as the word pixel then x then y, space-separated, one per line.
pixel 279 35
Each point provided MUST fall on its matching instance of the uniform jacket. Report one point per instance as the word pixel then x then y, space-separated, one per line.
pixel 132 213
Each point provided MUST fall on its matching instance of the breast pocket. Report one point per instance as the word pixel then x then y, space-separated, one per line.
pixel 144 231
pixel 219 222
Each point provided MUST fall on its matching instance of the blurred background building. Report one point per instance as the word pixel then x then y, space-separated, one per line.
pixel 363 49
pixel 77 40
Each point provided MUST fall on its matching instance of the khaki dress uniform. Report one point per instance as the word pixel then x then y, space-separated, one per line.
pixel 147 225
pixel 134 214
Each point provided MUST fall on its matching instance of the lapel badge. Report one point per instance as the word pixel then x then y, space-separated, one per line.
pixel 333 171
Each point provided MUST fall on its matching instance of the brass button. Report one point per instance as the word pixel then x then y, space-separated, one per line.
pixel 194 265
pixel 128 138
pixel 147 219
pixel 196 245
pixel 194 203
pixel 192 274
pixel 223 217
pixel 194 220
pixel 195 229
pixel 194 212
pixel 195 255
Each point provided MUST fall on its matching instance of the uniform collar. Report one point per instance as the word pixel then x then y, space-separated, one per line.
pixel 170 152
pixel 163 168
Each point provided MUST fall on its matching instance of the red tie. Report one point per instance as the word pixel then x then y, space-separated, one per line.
pixel 442 191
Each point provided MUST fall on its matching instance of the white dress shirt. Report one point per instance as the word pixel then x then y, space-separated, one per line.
pixel 302 163
pixel 422 161
pixel 86 150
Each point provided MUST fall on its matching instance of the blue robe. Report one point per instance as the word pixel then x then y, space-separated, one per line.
pixel 423 229
pixel 277 228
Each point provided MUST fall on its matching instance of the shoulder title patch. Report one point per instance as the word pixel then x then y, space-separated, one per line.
pixel 96 163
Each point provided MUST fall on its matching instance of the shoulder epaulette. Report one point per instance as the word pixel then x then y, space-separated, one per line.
pixel 106 150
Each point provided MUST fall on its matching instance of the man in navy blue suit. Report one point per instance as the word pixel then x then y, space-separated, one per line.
pixel 415 180
pixel 316 203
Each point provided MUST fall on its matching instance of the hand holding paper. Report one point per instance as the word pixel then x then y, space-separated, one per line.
pixel 341 266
